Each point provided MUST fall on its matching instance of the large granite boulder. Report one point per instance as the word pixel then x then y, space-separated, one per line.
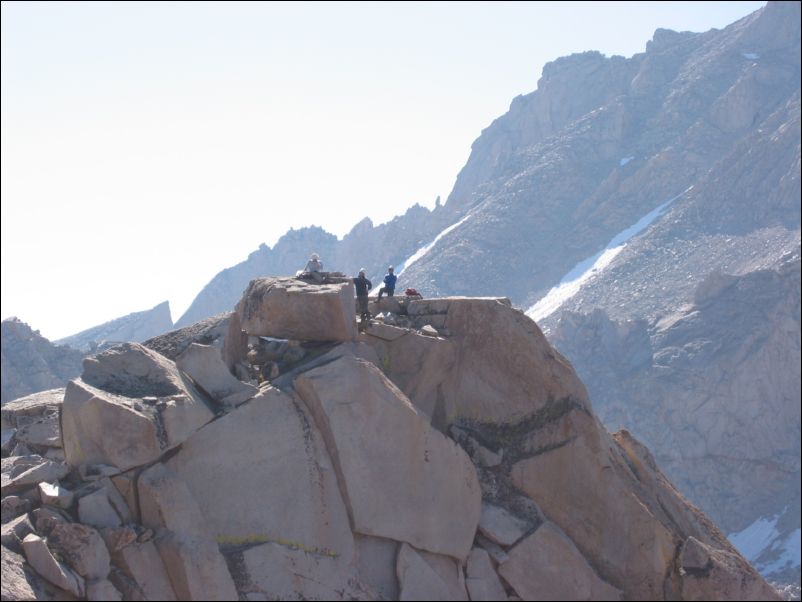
pixel 547 566
pixel 196 568
pixel 19 581
pixel 24 472
pixel 269 460
pixel 289 308
pixel 458 379
pixel 143 565
pixel 204 364
pixel 282 572
pixel 130 406
pixel 426 576
pixel 401 478
pixel 418 365
pixel 31 408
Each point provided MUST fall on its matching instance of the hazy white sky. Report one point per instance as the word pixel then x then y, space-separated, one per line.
pixel 147 146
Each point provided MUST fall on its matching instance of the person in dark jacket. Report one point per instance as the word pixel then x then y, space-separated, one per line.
pixel 363 286
pixel 389 284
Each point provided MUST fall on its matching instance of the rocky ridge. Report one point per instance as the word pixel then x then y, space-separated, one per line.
pixel 478 470
pixel 31 363
pixel 366 245
pixel 135 327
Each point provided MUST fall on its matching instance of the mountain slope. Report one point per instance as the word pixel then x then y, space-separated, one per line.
pixel 137 327
pixel 599 144
pixel 31 363
pixel 554 199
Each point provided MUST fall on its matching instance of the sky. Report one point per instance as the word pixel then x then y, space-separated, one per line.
pixel 147 146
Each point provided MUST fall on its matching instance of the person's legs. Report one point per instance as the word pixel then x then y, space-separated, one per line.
pixel 363 306
pixel 381 292
pixel 390 292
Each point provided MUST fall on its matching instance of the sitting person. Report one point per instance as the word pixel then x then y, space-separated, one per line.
pixel 314 264
pixel 389 284
pixel 313 269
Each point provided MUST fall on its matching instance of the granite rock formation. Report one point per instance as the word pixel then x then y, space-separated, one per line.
pixel 334 481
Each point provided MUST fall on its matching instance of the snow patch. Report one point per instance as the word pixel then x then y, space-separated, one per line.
pixel 755 538
pixel 421 252
pixel 426 248
pixel 570 284
pixel 625 160
pixel 750 55
pixel 763 545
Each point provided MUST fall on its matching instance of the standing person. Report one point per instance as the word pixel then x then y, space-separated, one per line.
pixel 363 285
pixel 389 283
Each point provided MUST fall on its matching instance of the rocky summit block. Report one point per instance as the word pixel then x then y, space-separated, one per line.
pixel 288 308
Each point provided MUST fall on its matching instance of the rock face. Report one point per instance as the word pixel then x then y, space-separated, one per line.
pixel 31 363
pixel 328 482
pixel 133 328
pixel 291 308
pixel 714 393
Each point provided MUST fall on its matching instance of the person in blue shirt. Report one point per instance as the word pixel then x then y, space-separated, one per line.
pixel 389 283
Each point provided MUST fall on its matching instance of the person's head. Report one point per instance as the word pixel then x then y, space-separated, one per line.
pixel 390 269
pixel 315 257
pixel 362 272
